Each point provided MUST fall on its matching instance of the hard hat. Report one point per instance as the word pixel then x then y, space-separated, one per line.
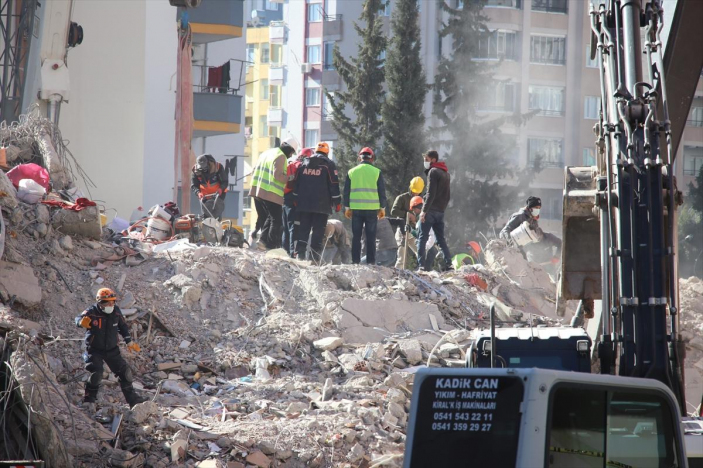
pixel 414 201
pixel 417 185
pixel 305 153
pixel 202 162
pixel 292 142
pixel 105 294
pixel 474 245
pixel 366 150
pixel 323 147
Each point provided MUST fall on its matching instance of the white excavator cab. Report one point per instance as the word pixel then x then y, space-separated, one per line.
pixel 532 418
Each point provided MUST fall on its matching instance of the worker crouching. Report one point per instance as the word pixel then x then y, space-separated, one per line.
pixel 210 182
pixel 103 321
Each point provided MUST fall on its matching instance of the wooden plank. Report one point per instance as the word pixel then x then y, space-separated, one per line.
pixel 164 366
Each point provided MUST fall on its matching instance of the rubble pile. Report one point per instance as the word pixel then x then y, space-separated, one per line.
pixel 691 297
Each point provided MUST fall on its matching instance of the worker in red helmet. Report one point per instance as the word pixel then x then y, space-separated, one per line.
pixel 103 321
pixel 288 238
pixel 365 201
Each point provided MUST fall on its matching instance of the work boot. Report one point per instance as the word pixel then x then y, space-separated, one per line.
pixel 135 399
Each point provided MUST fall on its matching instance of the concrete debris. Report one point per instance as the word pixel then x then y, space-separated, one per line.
pixel 328 344
pixel 19 284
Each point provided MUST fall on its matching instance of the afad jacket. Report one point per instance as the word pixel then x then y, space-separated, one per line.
pixel 102 335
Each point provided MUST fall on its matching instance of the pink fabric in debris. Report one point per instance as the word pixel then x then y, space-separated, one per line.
pixel 29 171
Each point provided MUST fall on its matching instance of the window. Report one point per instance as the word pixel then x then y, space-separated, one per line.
pixel 498 45
pixel 263 126
pixel 314 54
pixel 271 6
pixel 696 119
pixel 382 57
pixel 386 8
pixel 275 95
pixel 591 63
pixel 276 54
pixel 311 138
pixel 548 49
pixel 246 202
pixel 591 107
pixel 327 111
pixel 329 56
pixel 264 84
pixel 607 427
pixel 550 6
pixel 504 3
pixel 692 160
pixel 500 98
pixel 314 12
pixel 312 97
pixel 251 54
pixel 548 100
pixel 589 157
pixel 265 53
pixel 550 151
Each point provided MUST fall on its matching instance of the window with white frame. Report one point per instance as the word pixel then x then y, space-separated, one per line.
pixel 504 3
pixel 271 6
pixel 264 84
pixel 591 63
pixel 312 97
pixel 696 119
pixel 548 49
pixel 548 100
pixel 550 151
pixel 275 95
pixel 327 110
pixel 314 12
pixel 311 138
pixel 265 53
pixel 550 6
pixel 329 56
pixel 591 107
pixel 251 55
pixel 385 8
pixel 498 45
pixel 276 54
pixel 692 160
pixel 263 126
pixel 589 157
pixel 500 98
pixel 314 54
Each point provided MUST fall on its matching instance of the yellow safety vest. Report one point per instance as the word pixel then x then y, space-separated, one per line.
pixel 265 170
pixel 363 194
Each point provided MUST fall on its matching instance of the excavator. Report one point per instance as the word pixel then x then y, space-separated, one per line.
pixel 624 207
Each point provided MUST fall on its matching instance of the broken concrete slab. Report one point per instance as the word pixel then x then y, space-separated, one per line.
pixel 19 281
pixel 328 344
pixel 85 222
pixel 259 459
pixel 412 349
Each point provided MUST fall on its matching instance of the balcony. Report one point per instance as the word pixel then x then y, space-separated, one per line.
pixel 331 80
pixel 274 117
pixel 216 20
pixel 332 28
pixel 216 113
pixel 276 75
pixel 277 32
pixel 327 132
pixel 550 6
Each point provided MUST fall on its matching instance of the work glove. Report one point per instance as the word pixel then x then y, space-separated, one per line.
pixel 85 322
pixel 381 213
pixel 338 208
pixel 200 195
pixel 133 346
pixel 348 213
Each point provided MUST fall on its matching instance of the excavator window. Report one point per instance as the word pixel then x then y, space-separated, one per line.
pixel 597 427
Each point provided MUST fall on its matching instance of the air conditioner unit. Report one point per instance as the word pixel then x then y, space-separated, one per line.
pixel 306 68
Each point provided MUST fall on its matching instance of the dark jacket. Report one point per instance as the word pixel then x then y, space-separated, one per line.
pixel 102 334
pixel 317 186
pixel 516 220
pixel 380 187
pixel 215 179
pixel 401 205
pixel 437 196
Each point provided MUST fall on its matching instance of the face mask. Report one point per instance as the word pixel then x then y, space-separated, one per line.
pixel 535 211
pixel 108 309
pixel 427 164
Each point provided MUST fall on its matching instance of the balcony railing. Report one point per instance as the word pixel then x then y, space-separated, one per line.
pixel 277 32
pixel 694 123
pixel 550 6
pixel 549 112
pixel 548 61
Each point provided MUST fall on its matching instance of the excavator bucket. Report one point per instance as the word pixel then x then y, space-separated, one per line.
pixel 580 276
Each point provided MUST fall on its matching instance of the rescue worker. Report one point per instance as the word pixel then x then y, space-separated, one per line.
pixel 435 202
pixel 472 257
pixel 529 213
pixel 541 251
pixel 102 322
pixel 267 184
pixel 210 182
pixel 401 205
pixel 337 247
pixel 289 222
pixel 365 201
pixel 410 260
pixel 316 194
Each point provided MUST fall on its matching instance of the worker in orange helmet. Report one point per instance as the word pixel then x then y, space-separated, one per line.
pixel 472 257
pixel 289 216
pixel 102 322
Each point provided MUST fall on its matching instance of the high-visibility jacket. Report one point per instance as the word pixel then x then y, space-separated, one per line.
pixel 264 172
pixel 363 193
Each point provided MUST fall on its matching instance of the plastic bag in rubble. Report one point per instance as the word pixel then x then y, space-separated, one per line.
pixel 30 191
pixel 261 364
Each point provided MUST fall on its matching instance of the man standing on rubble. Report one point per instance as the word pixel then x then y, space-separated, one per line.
pixel 530 213
pixel 102 322
pixel 365 199
pixel 210 182
pixel 435 202
pixel 316 194
pixel 267 186
pixel 289 221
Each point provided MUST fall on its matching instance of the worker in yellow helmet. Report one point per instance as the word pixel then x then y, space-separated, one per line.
pixel 401 206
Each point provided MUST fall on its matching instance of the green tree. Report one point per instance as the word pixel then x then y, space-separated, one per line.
pixel 363 77
pixel 403 118
pixel 479 154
